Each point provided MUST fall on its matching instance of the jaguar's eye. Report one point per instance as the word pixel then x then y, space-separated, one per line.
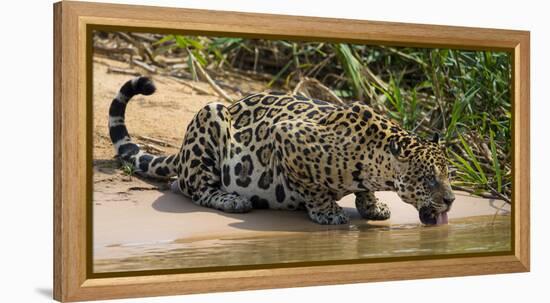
pixel 431 181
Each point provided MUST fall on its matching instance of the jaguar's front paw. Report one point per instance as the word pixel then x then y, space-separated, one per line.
pixel 235 204
pixel 378 211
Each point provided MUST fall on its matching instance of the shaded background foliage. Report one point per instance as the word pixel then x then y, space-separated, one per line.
pixel 462 95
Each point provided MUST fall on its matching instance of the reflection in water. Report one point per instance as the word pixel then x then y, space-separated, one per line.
pixel 469 235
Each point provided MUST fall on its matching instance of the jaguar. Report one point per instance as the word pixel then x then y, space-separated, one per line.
pixel 281 151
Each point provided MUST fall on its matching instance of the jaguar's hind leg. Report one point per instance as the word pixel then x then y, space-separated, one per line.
pixel 207 142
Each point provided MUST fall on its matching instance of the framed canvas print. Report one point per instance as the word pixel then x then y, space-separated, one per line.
pixel 201 151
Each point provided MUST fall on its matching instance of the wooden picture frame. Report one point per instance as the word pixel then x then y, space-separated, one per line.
pixel 72 279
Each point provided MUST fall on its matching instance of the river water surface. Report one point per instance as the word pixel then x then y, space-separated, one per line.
pixel 461 236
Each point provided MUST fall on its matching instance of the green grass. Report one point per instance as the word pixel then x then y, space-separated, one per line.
pixel 128 169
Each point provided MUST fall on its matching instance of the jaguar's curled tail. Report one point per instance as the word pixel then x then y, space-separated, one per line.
pixel 144 163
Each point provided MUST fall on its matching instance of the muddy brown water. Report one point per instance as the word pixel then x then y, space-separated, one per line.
pixel 466 235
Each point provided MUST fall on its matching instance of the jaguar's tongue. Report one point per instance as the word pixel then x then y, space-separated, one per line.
pixel 442 218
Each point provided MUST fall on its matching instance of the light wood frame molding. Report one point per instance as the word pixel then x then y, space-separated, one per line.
pixel 71 281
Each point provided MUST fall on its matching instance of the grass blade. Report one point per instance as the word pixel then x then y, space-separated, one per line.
pixel 473 159
pixel 496 163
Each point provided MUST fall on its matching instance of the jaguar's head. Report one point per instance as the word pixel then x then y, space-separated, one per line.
pixel 422 177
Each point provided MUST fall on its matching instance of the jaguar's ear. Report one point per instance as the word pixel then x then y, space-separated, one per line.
pixel 395 149
pixel 435 138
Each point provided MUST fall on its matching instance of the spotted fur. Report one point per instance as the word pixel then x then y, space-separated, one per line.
pixel 279 151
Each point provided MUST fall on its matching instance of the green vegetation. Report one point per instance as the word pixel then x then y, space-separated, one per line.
pixel 128 169
pixel 463 95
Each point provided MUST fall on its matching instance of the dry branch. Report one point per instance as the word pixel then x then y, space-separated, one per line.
pixel 406 56
pixel 191 86
pixel 109 51
pixel 156 141
pixel 169 61
pixel 213 84
pixel 142 188
pixel 147 37
pixel 145 66
pixel 124 71
pixel 314 89
pixel 494 195
pixel 375 78
pixel 153 149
